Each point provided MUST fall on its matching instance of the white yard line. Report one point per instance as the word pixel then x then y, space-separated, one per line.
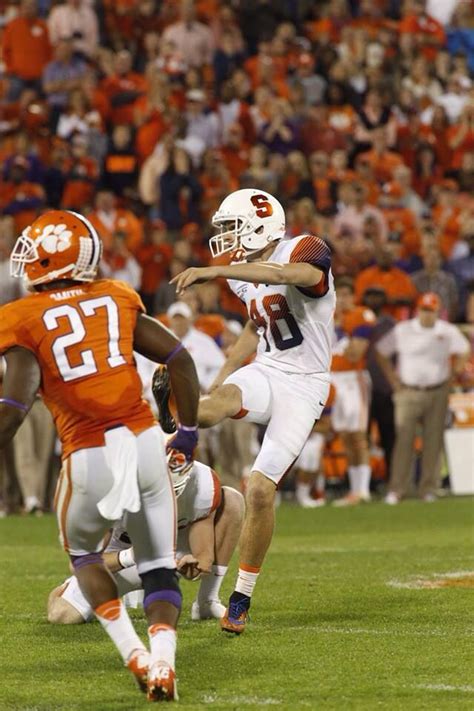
pixel 445 687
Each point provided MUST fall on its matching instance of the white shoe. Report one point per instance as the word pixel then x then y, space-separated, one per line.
pixel 209 610
pixel 351 500
pixel 429 498
pixel 392 499
pixel 307 502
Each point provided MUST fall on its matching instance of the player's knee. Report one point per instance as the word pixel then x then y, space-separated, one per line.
pixel 260 495
pixel 161 585
pixel 61 612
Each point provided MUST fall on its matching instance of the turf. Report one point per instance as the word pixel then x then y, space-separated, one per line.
pixel 330 628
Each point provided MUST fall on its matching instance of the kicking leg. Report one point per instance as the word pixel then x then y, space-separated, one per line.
pixel 224 401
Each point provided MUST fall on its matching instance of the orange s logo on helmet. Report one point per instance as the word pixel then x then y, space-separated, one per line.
pixel 264 208
pixel 58 245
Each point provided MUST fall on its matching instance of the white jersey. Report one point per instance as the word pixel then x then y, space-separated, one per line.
pixel 295 324
pixel 201 496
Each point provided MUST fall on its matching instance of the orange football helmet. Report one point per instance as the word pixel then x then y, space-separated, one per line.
pixel 60 244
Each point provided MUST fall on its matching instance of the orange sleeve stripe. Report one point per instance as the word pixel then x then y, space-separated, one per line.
pixel 109 610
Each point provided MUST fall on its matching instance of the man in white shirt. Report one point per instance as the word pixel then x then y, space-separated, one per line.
pixel 429 352
pixel 193 40
pixel 206 354
pixel 75 20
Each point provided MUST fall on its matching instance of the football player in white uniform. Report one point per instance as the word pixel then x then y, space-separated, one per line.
pixel 288 289
pixel 209 524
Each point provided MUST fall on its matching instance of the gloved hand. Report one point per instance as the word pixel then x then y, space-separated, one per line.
pixel 180 449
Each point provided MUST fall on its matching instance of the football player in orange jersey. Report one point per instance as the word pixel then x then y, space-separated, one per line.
pixel 72 339
pixel 350 410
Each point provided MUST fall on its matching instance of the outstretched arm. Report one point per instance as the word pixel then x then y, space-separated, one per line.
pixel 20 387
pixel 157 343
pixel 297 273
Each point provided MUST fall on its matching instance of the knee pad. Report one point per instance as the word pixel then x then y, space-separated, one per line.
pixel 161 585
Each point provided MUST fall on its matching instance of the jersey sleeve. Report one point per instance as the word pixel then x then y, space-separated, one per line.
pixel 315 251
pixel 125 290
pixel 13 329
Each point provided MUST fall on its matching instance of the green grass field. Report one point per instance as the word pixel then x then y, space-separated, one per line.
pixel 332 625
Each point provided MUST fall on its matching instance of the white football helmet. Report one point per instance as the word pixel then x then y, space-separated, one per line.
pixel 180 470
pixel 247 219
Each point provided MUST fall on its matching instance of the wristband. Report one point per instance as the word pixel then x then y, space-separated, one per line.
pixel 174 352
pixel 14 403
pixel 126 558
pixel 186 428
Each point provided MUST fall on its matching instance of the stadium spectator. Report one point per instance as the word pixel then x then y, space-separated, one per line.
pixel 432 278
pixel 193 40
pixel 61 76
pixel 429 352
pixel 398 286
pixel 109 219
pixel 26 49
pixel 154 256
pixel 75 20
pixel 122 88
pixel 19 197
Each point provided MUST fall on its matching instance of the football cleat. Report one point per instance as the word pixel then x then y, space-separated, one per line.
pixel 161 389
pixel 235 617
pixel 137 663
pixel 208 610
pixel 351 500
pixel 162 683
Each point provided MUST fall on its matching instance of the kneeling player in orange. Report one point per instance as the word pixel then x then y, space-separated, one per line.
pixel 209 524
pixel 72 339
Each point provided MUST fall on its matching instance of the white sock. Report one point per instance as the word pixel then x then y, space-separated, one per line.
pixel 303 490
pixel 364 479
pixel 162 644
pixel 320 484
pixel 211 584
pixel 359 478
pixel 246 580
pixel 114 618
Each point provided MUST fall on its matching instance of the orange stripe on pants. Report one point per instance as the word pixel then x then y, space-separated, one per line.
pixel 65 505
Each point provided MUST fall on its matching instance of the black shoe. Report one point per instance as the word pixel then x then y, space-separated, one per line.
pixel 161 389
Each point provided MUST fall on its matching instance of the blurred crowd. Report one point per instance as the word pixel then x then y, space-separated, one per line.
pixel 144 114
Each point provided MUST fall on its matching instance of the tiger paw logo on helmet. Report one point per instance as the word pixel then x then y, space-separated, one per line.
pixel 60 244
pixel 55 238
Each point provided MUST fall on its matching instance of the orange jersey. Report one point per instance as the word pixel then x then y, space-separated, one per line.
pixel 82 337
pixel 355 323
